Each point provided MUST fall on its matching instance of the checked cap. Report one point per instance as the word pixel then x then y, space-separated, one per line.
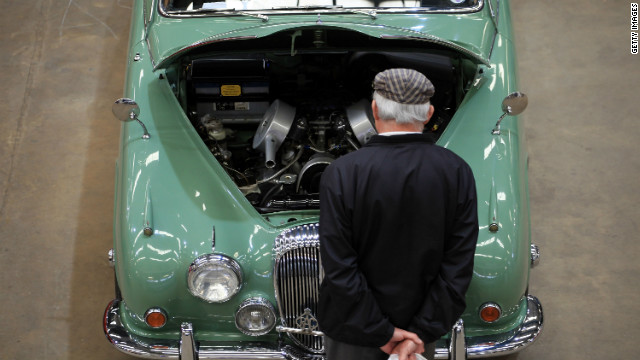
pixel 405 86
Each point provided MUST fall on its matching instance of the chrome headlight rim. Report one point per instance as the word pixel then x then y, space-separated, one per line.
pixel 253 302
pixel 208 260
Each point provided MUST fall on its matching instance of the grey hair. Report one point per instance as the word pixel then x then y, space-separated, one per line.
pixel 402 113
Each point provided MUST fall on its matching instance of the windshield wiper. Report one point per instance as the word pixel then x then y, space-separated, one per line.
pixel 233 11
pixel 371 13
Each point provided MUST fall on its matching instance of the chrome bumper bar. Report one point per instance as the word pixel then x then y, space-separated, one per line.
pixel 185 348
pixel 495 345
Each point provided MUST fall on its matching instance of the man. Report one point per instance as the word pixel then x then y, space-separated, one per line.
pixel 398 231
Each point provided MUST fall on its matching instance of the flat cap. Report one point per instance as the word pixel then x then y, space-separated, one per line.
pixel 405 86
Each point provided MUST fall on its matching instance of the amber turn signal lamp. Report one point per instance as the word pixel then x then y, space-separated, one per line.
pixel 155 317
pixel 490 312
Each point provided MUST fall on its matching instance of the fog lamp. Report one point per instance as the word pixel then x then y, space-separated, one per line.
pixel 255 317
pixel 214 278
pixel 155 317
pixel 490 312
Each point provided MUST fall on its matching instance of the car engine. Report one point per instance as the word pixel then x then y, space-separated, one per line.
pixel 275 121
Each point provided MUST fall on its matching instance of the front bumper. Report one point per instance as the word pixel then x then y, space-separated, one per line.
pixel 183 348
pixel 494 345
pixel 186 348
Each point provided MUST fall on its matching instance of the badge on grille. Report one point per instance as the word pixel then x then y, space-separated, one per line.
pixel 307 321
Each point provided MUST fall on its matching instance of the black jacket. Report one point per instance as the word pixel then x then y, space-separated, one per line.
pixel 398 231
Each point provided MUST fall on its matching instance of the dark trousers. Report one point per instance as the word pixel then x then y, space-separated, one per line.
pixel 337 350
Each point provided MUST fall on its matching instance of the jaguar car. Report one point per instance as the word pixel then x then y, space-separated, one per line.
pixel 231 111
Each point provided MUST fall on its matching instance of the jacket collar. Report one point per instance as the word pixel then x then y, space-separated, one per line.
pixel 401 139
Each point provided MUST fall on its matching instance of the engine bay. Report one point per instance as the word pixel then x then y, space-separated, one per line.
pixel 276 119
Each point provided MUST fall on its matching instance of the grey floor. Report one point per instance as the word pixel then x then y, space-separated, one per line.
pixel 64 61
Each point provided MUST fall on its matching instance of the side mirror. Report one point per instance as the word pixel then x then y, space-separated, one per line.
pixel 514 104
pixel 128 110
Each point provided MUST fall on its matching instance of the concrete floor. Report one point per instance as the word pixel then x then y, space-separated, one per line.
pixel 64 61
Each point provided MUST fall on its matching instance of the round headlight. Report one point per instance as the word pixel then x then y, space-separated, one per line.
pixel 214 278
pixel 255 317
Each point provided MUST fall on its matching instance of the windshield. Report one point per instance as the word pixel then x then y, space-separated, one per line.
pixel 199 6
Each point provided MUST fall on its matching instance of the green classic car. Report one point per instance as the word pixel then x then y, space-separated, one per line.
pixel 231 112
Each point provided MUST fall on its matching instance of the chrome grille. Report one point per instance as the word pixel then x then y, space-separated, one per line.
pixel 297 278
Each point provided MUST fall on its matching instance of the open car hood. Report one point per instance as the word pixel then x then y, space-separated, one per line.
pixel 471 35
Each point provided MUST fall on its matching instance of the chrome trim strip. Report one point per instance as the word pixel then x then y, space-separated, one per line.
pixel 147 225
pixel 111 258
pixel 299 331
pixel 493 208
pixel 503 344
pixel 213 240
pixel 535 255
pixel 148 348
